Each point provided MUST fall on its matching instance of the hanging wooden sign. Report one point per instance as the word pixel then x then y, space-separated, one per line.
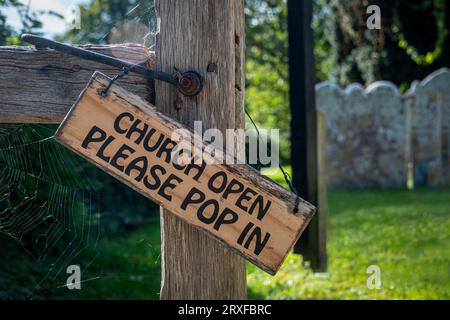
pixel 165 161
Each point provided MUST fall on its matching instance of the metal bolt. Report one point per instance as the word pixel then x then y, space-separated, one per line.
pixel 190 83
pixel 212 67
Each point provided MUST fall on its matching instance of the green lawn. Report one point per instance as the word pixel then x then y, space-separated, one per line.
pixel 405 233
pixel 127 268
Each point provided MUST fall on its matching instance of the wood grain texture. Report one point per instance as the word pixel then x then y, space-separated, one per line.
pixel 128 138
pixel 40 86
pixel 201 35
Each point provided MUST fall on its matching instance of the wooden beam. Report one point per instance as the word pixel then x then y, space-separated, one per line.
pixel 304 140
pixel 207 36
pixel 40 86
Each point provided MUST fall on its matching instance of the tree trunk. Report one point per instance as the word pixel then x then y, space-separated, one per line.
pixel 206 36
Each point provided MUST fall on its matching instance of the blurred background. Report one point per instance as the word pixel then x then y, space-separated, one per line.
pixel 383 96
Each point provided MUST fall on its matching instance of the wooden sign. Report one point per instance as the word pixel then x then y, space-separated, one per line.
pixel 128 138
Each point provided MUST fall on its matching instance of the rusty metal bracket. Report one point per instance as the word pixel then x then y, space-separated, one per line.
pixel 189 83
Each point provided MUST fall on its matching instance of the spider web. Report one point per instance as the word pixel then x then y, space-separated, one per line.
pixel 139 25
pixel 47 204
pixel 121 21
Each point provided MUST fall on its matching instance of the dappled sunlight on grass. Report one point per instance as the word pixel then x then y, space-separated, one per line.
pixel 405 233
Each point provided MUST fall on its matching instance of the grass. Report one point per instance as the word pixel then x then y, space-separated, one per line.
pixel 405 233
pixel 126 268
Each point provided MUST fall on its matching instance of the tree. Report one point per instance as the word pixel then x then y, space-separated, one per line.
pixel 401 51
pixel 115 21
pixel 267 74
pixel 29 22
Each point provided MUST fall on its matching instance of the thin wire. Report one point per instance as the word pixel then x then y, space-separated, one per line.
pixel 286 175
pixel 125 71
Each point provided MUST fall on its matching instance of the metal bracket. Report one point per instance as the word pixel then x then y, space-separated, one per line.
pixel 189 83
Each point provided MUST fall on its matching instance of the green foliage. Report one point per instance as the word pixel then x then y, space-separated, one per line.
pixel 267 76
pixel 54 207
pixel 29 20
pixel 122 209
pixel 412 42
pixel 111 21
pixel 323 42
pixel 127 267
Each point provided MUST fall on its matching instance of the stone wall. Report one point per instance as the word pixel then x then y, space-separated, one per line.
pixel 375 134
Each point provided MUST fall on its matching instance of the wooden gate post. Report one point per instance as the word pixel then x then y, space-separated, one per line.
pixel 304 139
pixel 207 36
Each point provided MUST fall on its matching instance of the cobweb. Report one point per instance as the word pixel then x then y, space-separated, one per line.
pixel 139 25
pixel 49 203
pixel 122 21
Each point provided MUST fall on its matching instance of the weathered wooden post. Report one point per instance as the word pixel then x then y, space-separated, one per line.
pixel 207 36
pixel 304 139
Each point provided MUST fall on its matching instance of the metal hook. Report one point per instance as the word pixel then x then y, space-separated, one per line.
pixel 189 83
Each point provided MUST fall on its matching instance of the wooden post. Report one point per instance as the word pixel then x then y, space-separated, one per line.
pixel 322 199
pixel 54 80
pixel 207 36
pixel 304 144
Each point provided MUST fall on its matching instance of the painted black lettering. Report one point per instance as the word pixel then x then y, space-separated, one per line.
pixel 245 196
pixel 101 151
pixel 262 209
pixel 120 154
pixel 223 183
pixel 166 148
pixel 234 187
pixel 140 165
pixel 193 165
pixel 244 233
pixel 168 184
pixel 157 181
pixel 194 196
pixel 213 216
pixel 227 216
pixel 147 141
pixel 119 118
pixel 94 135
pixel 141 132
pixel 259 242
